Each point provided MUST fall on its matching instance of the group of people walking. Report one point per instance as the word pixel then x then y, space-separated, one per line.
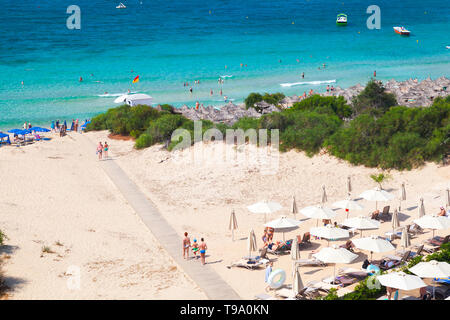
pixel 197 248
pixel 102 150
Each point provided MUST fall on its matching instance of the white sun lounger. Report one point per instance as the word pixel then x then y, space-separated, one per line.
pixel 264 296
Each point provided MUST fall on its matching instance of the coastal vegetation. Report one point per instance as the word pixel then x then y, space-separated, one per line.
pixel 372 131
pixel 253 98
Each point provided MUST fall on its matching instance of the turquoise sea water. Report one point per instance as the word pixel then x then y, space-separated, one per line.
pixel 169 42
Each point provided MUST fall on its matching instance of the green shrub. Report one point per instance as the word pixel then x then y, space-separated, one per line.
pixel 254 98
pixel 3 237
pixel 329 105
pixel 144 141
pixel 373 99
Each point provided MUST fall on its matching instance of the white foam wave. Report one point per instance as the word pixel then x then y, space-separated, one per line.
pixel 114 94
pixel 306 83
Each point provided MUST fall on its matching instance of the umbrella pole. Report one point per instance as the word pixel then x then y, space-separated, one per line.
pixel 232 234
pixel 283 237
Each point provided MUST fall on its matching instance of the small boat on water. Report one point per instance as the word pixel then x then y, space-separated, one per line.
pixel 402 30
pixel 121 6
pixel 341 19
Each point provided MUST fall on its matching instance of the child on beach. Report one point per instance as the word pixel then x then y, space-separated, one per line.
pixel 195 248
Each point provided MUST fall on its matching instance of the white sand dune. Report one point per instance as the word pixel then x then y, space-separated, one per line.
pixel 57 191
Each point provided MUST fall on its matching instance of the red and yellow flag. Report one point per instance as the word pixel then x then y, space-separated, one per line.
pixel 136 79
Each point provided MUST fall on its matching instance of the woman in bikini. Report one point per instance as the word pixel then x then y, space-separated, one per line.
pixel 186 245
pixel 105 149
pixel 99 150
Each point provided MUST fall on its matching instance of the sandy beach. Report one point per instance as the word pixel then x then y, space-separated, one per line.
pixel 56 191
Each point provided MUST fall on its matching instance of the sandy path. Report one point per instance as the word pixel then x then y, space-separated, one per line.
pixel 56 192
pixel 198 198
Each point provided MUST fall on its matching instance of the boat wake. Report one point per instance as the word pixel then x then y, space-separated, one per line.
pixel 306 83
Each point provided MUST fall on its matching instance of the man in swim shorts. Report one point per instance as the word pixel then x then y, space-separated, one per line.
pixel 186 245
pixel 202 248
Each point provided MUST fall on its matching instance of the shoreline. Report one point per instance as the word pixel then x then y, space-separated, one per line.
pixel 408 93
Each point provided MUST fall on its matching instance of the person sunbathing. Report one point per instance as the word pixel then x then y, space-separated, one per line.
pixel 375 214
pixel 442 212
pixel 348 245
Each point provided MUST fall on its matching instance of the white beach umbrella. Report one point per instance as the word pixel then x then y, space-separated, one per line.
pixel 318 212
pixel 433 222
pixel 361 223
pixel 376 195
pixel 294 208
pixel 265 207
pixel 404 240
pixel 373 244
pixel 233 224
pixel 395 222
pixel 329 232
pixel 348 205
pixel 297 284
pixel 335 255
pixel 402 195
pixel 121 98
pixel 283 224
pixel 324 195
pixel 251 243
pixel 401 280
pixel 349 185
pixel 431 269
pixel 421 208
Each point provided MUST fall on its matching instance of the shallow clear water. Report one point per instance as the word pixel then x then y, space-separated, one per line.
pixel 169 42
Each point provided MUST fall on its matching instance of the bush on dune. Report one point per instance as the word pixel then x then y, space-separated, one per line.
pixel 373 99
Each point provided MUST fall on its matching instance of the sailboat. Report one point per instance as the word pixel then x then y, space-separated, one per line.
pixel 121 6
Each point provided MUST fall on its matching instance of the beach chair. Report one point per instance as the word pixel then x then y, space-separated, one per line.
pixel 414 229
pixel 264 296
pixel 438 241
pixel 249 264
pixel 305 241
pixel 412 254
pixel 390 262
pixel 310 262
pixel 285 248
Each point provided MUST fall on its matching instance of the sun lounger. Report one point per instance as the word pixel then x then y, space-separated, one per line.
pixel 310 262
pixel 283 249
pixel 438 241
pixel 285 293
pixel 305 241
pixel 412 254
pixel 393 262
pixel 264 296
pixel 249 264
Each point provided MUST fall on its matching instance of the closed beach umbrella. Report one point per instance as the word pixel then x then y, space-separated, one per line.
pixel 294 208
pixel 395 222
pixel 401 281
pixel 361 223
pixel 373 244
pixel 349 185
pixel 265 207
pixel 233 224
pixel 376 195
pixel 283 224
pixel 421 208
pixel 324 195
pixel 329 232
pixel 448 197
pixel 251 243
pixel 348 205
pixel 431 269
pixel 295 251
pixel 405 241
pixel 402 195
pixel 433 222
pixel 297 284
pixel 335 255
pixel 318 212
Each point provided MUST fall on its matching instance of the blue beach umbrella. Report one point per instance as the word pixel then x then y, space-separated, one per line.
pixel 39 129
pixel 4 135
